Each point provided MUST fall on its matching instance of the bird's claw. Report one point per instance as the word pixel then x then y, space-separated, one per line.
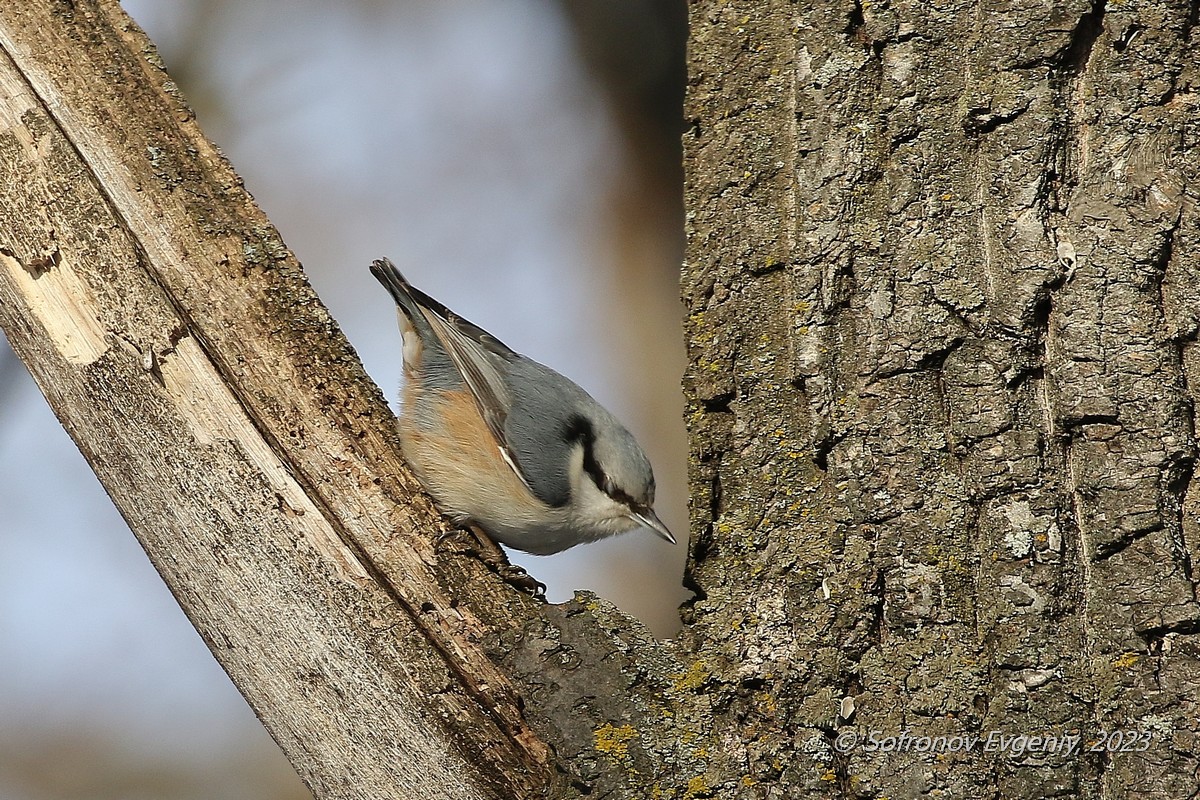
pixel 518 578
pixel 492 557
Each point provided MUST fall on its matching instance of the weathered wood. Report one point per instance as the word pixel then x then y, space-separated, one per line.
pixel 175 338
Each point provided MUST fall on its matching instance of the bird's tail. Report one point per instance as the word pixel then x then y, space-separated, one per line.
pixel 400 289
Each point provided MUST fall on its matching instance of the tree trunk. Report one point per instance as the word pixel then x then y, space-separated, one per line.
pixel 943 309
pixel 942 272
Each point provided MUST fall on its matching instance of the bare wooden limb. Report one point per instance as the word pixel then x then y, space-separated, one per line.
pixel 177 341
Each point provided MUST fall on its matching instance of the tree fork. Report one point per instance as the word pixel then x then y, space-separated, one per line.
pixel 942 291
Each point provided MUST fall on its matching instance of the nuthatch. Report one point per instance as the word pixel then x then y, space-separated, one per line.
pixel 508 444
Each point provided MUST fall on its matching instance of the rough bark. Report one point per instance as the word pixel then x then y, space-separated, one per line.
pixel 942 274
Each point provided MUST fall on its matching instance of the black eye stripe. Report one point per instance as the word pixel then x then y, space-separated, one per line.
pixel 579 429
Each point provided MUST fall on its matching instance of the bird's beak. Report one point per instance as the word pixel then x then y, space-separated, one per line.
pixel 651 521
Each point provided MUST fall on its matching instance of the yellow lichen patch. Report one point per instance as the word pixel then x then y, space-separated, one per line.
pixel 698 787
pixel 1125 660
pixel 693 679
pixel 613 740
pixel 766 703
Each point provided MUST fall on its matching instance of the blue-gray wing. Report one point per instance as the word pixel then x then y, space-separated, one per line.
pixel 477 356
pixel 548 419
pixel 479 362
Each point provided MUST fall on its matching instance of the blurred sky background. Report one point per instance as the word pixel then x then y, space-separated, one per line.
pixel 517 160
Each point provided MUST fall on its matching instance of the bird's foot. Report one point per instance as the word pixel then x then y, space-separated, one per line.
pixel 495 559
pixel 516 577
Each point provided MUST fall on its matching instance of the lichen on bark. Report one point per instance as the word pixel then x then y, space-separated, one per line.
pixel 942 314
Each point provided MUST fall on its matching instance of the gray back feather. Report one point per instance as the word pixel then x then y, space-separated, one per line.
pixel 543 427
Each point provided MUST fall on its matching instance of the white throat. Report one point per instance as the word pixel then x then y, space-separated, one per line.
pixel 592 507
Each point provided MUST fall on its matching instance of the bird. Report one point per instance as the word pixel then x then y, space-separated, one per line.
pixel 507 444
